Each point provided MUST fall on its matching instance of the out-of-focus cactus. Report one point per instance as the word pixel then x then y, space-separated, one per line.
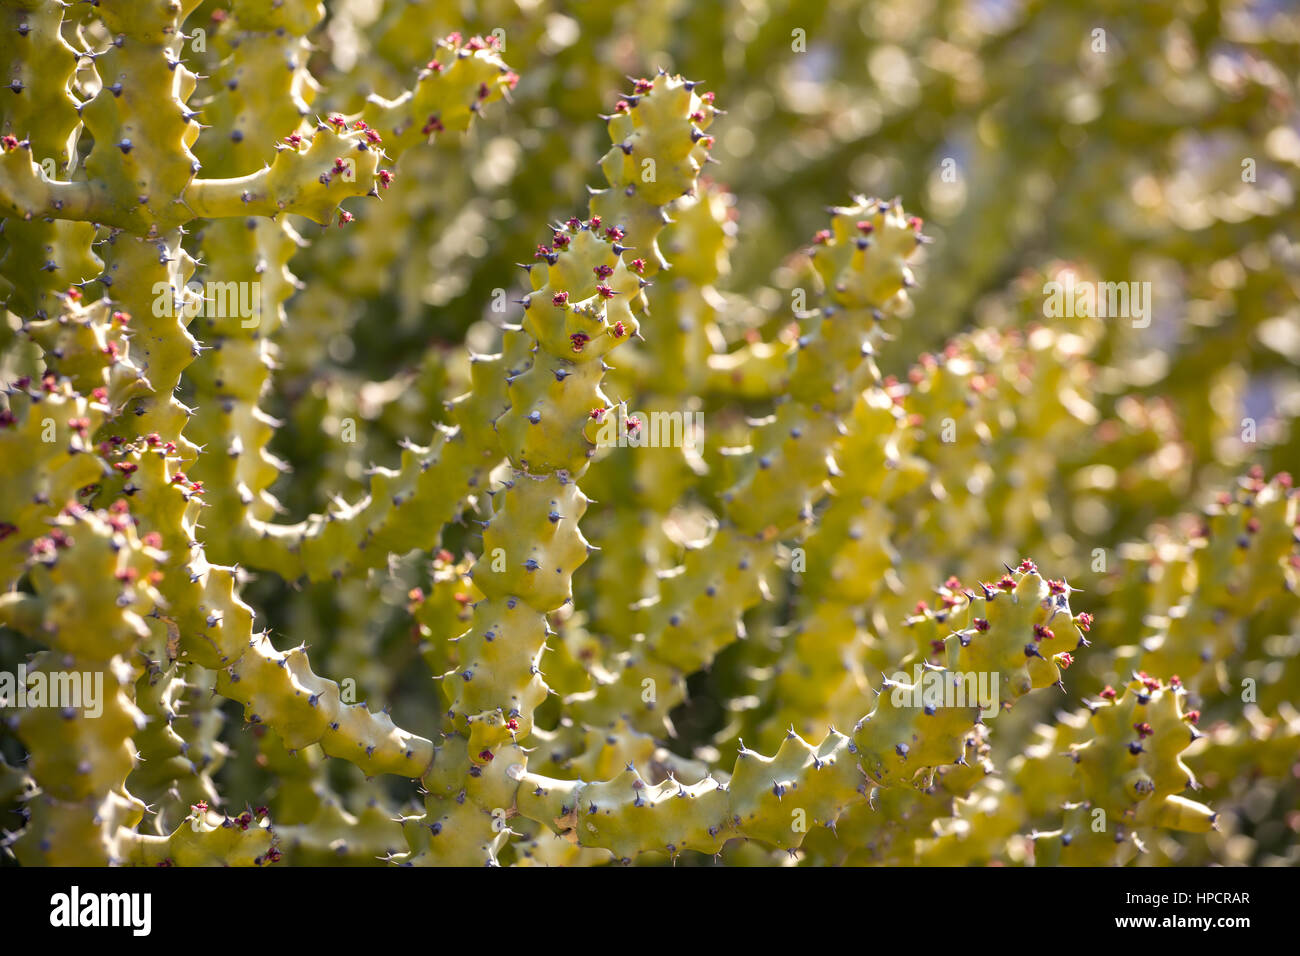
pixel 683 483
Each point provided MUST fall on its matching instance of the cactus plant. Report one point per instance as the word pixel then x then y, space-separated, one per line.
pixel 253 437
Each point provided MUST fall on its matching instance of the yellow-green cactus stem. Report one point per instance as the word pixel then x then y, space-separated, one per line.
pixel 633 540
pixel 1131 770
pixel 580 308
pixel 849 557
pixel 93 582
pixel 179 754
pixel 314 825
pixel 232 376
pixel 985 487
pixel 443 609
pixel 665 135
pixel 49 427
pixel 40 257
pixel 200 841
pixel 895 745
pixel 783 473
pixel 1247 544
pixel 215 630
